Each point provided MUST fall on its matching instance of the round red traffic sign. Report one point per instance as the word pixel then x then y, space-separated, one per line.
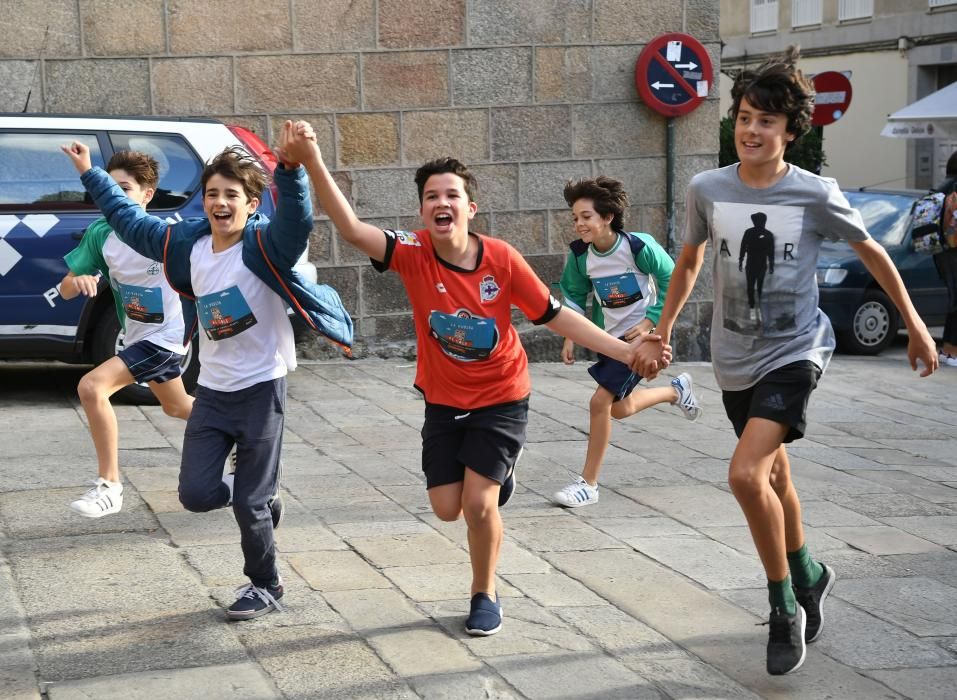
pixel 673 74
pixel 832 99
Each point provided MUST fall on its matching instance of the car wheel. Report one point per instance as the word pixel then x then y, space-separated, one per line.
pixel 108 341
pixel 873 325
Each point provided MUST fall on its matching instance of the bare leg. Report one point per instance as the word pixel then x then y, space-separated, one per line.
pixel 95 389
pixel 173 398
pixel 640 399
pixel 784 488
pixel 485 531
pixel 599 433
pixel 750 480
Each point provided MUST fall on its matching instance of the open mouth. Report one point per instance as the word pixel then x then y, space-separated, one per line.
pixel 443 220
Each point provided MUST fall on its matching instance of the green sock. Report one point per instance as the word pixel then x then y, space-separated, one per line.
pixel 804 570
pixel 781 595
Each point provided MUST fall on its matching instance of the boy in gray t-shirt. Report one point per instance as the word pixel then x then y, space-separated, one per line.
pixel 769 341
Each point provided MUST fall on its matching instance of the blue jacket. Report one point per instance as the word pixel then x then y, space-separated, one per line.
pixel 270 249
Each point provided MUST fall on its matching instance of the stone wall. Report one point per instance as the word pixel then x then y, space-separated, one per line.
pixel 530 93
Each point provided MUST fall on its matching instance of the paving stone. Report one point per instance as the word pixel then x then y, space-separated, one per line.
pixel 46 513
pixel 925 607
pixel 572 675
pixel 927 683
pixel 694 505
pixel 478 685
pixel 422 650
pixel 559 534
pixel 48 471
pixel 438 582
pixel 130 604
pixel 710 563
pixel 689 678
pixel 186 529
pixel 880 505
pixel 408 550
pixel 851 563
pixel 554 589
pixel 630 528
pixel 246 681
pixel 882 539
pixel 348 530
pixel 626 638
pixel 336 571
pixel 826 513
pixel 938 565
pixel 941 529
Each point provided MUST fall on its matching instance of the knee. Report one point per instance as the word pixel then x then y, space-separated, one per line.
pixel 196 501
pixel 447 513
pixel 478 511
pixel 87 390
pixel 600 404
pixel 744 482
pixel 780 478
pixel 176 410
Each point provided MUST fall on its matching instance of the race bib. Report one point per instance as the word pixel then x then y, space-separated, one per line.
pixel 463 336
pixel 618 290
pixel 224 314
pixel 143 304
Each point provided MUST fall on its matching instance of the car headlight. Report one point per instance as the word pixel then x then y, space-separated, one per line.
pixel 830 276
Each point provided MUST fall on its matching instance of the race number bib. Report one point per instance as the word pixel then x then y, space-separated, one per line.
pixel 224 314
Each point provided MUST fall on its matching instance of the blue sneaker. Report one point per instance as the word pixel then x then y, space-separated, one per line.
pixel 485 616
pixel 254 601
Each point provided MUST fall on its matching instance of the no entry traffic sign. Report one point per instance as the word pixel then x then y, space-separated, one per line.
pixel 673 74
pixel 832 99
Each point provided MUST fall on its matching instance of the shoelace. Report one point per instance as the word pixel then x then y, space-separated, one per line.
pixel 780 632
pixel 252 591
pixel 95 492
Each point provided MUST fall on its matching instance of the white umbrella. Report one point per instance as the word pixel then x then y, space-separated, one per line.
pixel 932 117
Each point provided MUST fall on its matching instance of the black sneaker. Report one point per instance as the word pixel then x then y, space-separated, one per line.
pixel 508 486
pixel 276 507
pixel 812 600
pixel 485 616
pixel 254 601
pixel 786 647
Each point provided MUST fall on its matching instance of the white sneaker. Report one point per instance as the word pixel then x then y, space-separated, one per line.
pixel 105 498
pixel 686 398
pixel 577 494
pixel 946 359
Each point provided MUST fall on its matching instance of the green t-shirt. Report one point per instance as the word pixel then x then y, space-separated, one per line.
pixel 87 259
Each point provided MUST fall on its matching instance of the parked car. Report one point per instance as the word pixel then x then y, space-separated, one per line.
pixel 44 211
pixel 864 318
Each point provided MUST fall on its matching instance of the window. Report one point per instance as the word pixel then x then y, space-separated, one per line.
pixel 35 175
pixel 941 3
pixel 179 167
pixel 855 9
pixel 805 13
pixel 764 16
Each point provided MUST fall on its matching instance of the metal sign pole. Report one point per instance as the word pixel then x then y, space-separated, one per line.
pixel 670 184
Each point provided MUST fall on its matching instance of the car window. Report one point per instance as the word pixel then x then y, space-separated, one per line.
pixel 35 175
pixel 886 216
pixel 179 167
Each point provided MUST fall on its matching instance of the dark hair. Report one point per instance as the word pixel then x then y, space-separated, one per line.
pixel 777 86
pixel 606 193
pixel 951 170
pixel 446 165
pixel 236 164
pixel 143 167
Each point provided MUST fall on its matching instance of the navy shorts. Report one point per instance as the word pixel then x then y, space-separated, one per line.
pixel 151 363
pixel 781 395
pixel 486 440
pixel 614 376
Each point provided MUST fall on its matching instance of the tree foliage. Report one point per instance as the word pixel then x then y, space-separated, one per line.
pixel 807 153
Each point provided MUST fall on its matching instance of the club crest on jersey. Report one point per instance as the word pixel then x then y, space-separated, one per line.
pixel 407 238
pixel 153 269
pixel 488 288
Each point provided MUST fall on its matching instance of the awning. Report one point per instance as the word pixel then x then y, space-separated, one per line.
pixel 932 117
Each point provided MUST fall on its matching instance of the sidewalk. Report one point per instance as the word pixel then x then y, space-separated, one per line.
pixel 654 592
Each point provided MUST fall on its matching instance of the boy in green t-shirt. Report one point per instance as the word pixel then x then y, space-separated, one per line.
pixel 152 319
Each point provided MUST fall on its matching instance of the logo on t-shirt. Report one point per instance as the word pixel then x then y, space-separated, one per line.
pixel 488 288
pixel 143 304
pixel 464 336
pixel 407 238
pixel 617 291
pixel 153 269
pixel 225 314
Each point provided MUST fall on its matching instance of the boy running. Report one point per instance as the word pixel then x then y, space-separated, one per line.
pixel 152 320
pixel 235 267
pixel 628 274
pixel 471 368
pixel 770 349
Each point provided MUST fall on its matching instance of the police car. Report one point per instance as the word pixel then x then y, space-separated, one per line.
pixel 44 211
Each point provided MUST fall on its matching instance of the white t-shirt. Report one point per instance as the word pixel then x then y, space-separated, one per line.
pixel 153 310
pixel 245 336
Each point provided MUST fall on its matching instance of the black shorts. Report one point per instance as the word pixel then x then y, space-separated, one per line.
pixel 781 396
pixel 148 362
pixel 486 440
pixel 614 376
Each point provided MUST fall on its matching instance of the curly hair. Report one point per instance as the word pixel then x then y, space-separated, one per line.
pixel 607 194
pixel 143 167
pixel 443 165
pixel 234 163
pixel 777 86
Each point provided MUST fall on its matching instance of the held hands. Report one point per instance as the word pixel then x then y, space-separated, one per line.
pixel 650 355
pixel 79 153
pixel 641 328
pixel 568 352
pixel 297 143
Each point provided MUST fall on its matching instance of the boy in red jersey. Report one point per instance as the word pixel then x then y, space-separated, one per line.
pixel 472 368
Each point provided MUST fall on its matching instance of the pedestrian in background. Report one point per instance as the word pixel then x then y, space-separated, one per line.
pixel 946 262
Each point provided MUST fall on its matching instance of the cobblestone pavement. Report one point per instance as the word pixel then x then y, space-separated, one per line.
pixel 653 592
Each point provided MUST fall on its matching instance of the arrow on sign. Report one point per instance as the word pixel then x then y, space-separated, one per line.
pixel 657 86
pixel 691 65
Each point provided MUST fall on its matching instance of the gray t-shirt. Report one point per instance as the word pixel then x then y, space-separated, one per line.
pixel 766 243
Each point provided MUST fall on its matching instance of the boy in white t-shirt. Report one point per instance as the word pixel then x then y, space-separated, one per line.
pixel 152 319
pixel 234 269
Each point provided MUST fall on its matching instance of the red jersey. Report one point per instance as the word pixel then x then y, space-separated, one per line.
pixel 469 354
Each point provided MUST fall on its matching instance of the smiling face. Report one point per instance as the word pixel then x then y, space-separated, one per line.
pixel 227 206
pixel 760 138
pixel 446 209
pixel 133 189
pixel 591 226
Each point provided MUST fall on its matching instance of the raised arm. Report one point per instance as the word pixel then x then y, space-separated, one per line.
pixel 367 238
pixel 920 346
pixel 143 232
